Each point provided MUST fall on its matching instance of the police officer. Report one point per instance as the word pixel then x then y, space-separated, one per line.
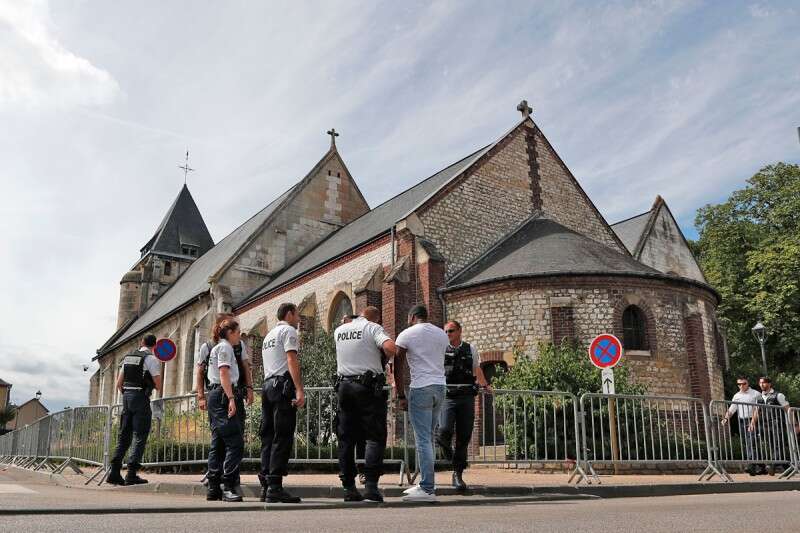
pixel 139 374
pixel 222 406
pixel 282 395
pixel 770 424
pixel 462 370
pixel 242 389
pixel 360 345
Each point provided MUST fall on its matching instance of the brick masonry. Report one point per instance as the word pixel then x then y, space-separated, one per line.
pixel 518 315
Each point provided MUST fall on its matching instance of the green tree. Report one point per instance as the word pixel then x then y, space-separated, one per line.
pixel 749 248
pixel 564 368
pixel 7 414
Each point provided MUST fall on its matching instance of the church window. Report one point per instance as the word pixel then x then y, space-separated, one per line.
pixel 189 250
pixel 634 328
pixel 167 268
pixel 340 307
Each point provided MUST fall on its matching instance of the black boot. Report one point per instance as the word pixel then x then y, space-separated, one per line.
pixel 229 494
pixel 458 481
pixel 264 485
pixel 276 494
pixel 214 493
pixel 351 494
pixel 131 478
pixel 372 493
pixel 114 477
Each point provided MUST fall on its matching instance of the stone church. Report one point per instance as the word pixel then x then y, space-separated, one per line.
pixel 504 240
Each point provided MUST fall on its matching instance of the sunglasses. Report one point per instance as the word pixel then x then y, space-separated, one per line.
pixel 450 331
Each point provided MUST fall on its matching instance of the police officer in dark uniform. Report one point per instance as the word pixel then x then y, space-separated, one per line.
pixel 464 377
pixel 139 374
pixel 282 395
pixel 222 405
pixel 771 425
pixel 361 414
pixel 242 389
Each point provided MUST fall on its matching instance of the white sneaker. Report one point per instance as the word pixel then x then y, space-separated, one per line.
pixel 410 489
pixel 417 494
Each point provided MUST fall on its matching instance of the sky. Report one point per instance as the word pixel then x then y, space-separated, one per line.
pixel 99 102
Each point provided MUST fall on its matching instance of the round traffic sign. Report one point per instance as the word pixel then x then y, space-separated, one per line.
pixel 605 351
pixel 165 350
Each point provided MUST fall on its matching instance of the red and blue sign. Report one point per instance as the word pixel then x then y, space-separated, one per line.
pixel 165 350
pixel 605 351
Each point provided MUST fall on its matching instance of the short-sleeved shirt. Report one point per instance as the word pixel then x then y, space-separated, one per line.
pixel 222 355
pixel 205 351
pixel 425 345
pixel 358 347
pixel 782 401
pixel 282 339
pixel 151 364
pixel 748 396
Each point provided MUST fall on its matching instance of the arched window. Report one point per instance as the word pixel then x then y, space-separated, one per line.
pixel 634 328
pixel 340 307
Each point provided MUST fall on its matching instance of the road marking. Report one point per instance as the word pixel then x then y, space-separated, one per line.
pixel 15 489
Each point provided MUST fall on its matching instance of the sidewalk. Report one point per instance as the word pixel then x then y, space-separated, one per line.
pixel 482 481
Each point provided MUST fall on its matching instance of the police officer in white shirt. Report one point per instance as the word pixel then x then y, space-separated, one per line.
pixel 139 374
pixel 283 394
pixel 744 413
pixel 424 346
pixel 223 374
pixel 360 382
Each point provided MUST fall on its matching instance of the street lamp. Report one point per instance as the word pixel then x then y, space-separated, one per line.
pixel 760 333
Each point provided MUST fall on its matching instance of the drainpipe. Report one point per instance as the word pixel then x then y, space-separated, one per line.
pixel 392 231
pixel 440 294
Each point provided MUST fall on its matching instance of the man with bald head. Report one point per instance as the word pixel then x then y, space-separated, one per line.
pixel 360 347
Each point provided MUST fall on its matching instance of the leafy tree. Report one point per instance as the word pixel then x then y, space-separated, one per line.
pixel 749 248
pixel 7 414
pixel 564 368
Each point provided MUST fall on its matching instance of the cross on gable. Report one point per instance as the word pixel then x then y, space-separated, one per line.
pixel 333 134
pixel 525 109
pixel 186 168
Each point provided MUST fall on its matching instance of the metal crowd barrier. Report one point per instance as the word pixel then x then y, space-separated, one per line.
pixel 532 428
pixel 646 430
pixel 761 436
pixel 540 429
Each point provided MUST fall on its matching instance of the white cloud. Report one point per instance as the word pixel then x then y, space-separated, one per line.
pixel 37 71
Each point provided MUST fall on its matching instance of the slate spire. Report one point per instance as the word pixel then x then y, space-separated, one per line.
pixel 183 231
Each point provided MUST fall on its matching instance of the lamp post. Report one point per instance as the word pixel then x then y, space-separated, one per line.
pixel 760 333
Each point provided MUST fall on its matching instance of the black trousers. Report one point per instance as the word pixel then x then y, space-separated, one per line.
pixel 458 416
pixel 278 422
pixel 134 425
pixel 361 417
pixel 217 447
pixel 224 459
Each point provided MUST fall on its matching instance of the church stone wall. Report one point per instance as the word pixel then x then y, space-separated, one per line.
pixel 563 201
pixel 482 208
pixel 508 316
pixel 329 200
pixel 665 250
pixel 340 276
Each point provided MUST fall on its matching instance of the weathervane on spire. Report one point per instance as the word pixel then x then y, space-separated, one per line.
pixel 525 109
pixel 333 134
pixel 186 168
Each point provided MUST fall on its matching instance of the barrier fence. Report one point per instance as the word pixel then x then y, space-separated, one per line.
pixel 537 429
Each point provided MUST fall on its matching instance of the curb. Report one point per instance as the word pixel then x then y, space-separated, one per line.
pixel 216 507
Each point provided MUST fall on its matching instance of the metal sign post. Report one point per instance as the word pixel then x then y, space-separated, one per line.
pixel 605 351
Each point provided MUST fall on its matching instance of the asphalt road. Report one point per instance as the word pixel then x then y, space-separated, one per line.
pixel 774 512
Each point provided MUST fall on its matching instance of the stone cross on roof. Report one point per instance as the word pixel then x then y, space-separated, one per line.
pixel 186 168
pixel 525 109
pixel 333 134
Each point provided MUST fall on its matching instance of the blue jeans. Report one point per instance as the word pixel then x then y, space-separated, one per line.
pixel 424 405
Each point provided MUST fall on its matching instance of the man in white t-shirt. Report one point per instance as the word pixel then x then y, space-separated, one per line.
pixel 744 413
pixel 423 345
